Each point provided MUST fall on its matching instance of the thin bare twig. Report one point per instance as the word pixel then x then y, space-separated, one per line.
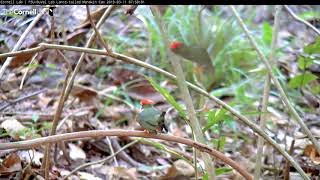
pixel 97 31
pixel 21 99
pixel 181 81
pixel 20 41
pixel 57 115
pixel 283 95
pixel 105 15
pixel 27 70
pixel 301 20
pixel 125 133
pixel 203 92
pixel 266 91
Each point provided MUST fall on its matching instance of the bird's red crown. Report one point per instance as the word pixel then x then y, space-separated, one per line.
pixel 146 102
pixel 175 44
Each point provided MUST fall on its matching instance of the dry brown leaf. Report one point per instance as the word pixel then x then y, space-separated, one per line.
pixel 44 101
pixel 95 15
pixel 122 173
pixel 115 112
pixel 10 164
pixel 121 76
pixel 179 170
pixel 31 156
pixel 84 93
pixel 76 153
pixel 88 176
pixel 10 84
pixel 13 127
pixel 76 36
pixel 144 91
pixel 312 153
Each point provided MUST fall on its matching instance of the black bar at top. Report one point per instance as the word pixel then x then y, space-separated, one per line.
pixel 149 2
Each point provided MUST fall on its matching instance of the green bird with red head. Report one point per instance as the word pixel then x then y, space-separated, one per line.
pixel 150 118
pixel 195 54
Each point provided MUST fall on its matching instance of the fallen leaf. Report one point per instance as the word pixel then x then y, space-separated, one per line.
pixel 95 15
pixel 76 153
pixel 179 170
pixel 144 90
pixel 85 94
pixel 312 153
pixel 121 76
pixel 13 127
pixel 87 176
pixel 122 173
pixel 76 36
pixel 31 156
pixel 10 164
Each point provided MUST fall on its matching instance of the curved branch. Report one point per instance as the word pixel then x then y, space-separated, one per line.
pixel 102 133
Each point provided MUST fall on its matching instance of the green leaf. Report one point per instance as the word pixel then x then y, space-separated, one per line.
pixel 168 97
pixel 103 70
pixel 214 117
pixel 315 89
pixel 35 65
pixel 266 33
pixel 310 15
pixel 223 170
pixel 313 48
pixel 222 142
pixel 304 62
pixel 51 66
pixel 205 176
pixel 301 80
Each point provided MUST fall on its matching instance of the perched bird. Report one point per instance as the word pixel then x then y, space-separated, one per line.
pixel 151 119
pixel 198 55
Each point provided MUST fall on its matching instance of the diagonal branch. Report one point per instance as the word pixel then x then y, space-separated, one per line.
pixel 301 20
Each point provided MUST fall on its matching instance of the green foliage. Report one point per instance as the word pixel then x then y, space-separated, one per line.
pixel 304 62
pixel 51 66
pixel 310 15
pixel 218 171
pixel 301 80
pixel 214 116
pixel 103 70
pixel 168 97
pixel 267 33
pixel 221 37
pixel 313 48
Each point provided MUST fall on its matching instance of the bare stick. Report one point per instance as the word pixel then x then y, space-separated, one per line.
pixel 283 95
pixel 266 91
pixel 105 15
pixel 20 41
pixel 181 81
pixel 97 31
pixel 301 20
pixel 27 70
pixel 203 92
pixel 124 133
pixel 57 116
pixel 21 99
